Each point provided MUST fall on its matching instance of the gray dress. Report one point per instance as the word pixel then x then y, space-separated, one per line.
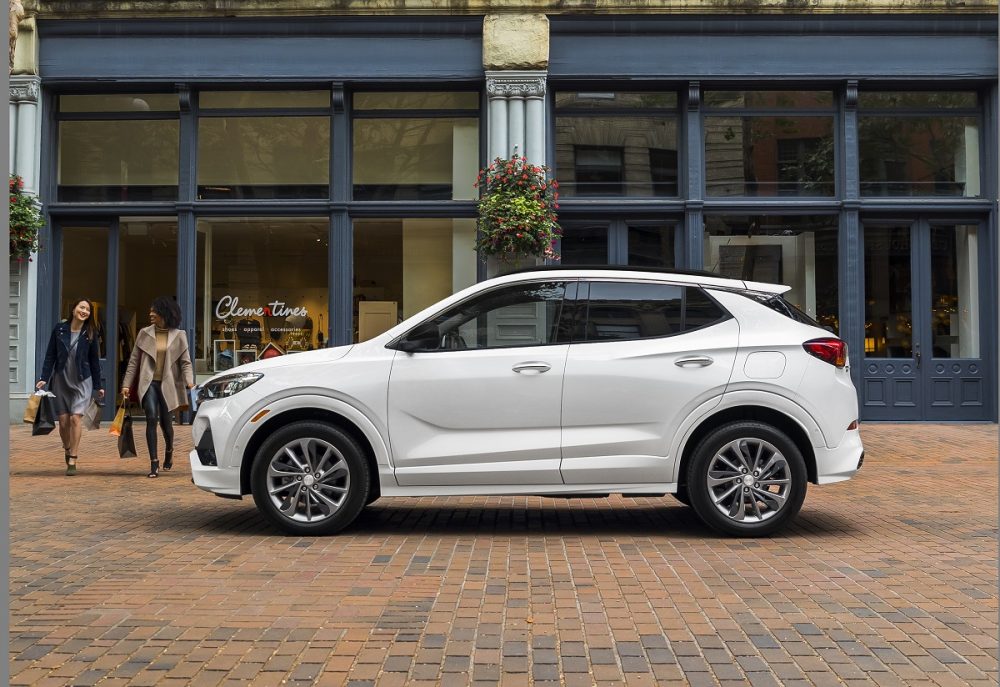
pixel 72 394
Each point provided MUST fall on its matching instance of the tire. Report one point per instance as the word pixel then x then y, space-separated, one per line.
pixel 292 497
pixel 728 457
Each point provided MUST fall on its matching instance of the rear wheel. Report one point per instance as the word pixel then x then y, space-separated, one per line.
pixel 310 478
pixel 747 479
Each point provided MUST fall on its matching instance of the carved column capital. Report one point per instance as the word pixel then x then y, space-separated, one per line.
pixel 25 89
pixel 511 84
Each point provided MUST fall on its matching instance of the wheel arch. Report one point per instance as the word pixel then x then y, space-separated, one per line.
pixel 314 414
pixel 781 421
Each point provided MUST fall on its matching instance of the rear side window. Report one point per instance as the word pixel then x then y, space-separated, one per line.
pixel 621 311
pixel 778 304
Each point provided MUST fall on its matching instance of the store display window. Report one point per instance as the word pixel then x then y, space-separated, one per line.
pixel 262 289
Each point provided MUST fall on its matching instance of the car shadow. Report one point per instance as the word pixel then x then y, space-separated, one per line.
pixel 654 518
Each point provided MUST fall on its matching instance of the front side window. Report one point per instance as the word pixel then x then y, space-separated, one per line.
pixel 507 317
pixel 919 144
pixel 769 143
pixel 617 144
pixel 623 311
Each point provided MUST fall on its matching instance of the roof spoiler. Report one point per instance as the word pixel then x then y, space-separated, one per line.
pixel 767 288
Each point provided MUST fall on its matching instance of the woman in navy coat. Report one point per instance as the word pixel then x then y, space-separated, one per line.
pixel 72 369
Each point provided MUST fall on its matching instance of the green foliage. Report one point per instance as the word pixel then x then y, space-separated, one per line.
pixel 517 210
pixel 25 220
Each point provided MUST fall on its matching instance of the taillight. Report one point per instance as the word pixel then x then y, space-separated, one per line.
pixel 829 350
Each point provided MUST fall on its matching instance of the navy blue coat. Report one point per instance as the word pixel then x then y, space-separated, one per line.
pixel 88 356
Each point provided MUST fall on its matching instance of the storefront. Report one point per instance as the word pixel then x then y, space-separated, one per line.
pixel 297 184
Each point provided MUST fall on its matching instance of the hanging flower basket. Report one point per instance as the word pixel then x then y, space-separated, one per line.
pixel 25 221
pixel 517 211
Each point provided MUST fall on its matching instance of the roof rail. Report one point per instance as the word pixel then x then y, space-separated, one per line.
pixel 618 268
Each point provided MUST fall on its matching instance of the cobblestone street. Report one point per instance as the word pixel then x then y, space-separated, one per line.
pixel 888 579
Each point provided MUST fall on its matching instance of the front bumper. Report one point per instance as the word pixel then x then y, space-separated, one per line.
pixel 206 473
pixel 840 463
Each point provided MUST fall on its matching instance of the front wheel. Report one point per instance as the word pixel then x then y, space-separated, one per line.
pixel 747 479
pixel 310 478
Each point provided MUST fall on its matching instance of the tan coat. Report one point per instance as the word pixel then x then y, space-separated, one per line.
pixel 177 370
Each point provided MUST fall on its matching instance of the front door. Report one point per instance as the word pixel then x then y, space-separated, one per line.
pixel 924 291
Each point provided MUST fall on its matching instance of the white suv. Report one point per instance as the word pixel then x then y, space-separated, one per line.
pixel 556 382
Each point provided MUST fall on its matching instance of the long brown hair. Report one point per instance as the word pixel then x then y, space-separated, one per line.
pixel 88 324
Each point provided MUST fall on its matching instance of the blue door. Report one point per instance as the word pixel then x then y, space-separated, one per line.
pixel 926 286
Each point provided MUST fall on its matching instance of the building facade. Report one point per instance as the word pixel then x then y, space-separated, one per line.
pixel 302 178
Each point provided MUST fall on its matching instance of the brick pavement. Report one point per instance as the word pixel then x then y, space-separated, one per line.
pixel 889 579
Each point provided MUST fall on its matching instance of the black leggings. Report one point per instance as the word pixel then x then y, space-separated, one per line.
pixel 156 410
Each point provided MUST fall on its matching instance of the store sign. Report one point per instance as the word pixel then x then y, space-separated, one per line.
pixel 229 306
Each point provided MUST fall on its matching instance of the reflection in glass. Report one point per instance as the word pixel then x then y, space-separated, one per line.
pixel 800 252
pixel 120 102
pixel 262 289
pixel 919 156
pixel 116 161
pixel 622 311
pixel 402 266
pixel 789 155
pixel 583 245
pixel 85 274
pixel 597 100
pixel 917 100
pixel 211 100
pixel 888 293
pixel 614 155
pixel 954 292
pixel 651 246
pixel 416 101
pixel 415 159
pixel 263 157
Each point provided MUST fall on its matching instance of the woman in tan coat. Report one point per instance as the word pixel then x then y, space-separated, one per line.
pixel 163 365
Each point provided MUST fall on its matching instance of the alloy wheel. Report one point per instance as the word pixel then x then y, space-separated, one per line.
pixel 749 480
pixel 308 480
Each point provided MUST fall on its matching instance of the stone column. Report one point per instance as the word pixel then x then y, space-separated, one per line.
pixel 516 57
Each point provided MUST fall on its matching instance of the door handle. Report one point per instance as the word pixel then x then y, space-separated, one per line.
pixel 532 368
pixel 917 350
pixel 698 360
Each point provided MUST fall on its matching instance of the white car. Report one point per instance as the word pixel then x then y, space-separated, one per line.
pixel 555 382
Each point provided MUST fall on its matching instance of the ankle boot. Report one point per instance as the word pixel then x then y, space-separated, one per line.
pixel 154 468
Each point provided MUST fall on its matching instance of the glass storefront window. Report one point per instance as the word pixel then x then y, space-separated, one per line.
pixel 769 100
pixel 120 160
pixel 273 100
pixel 651 246
pixel 584 245
pixel 617 144
pixel 402 266
pixel 262 289
pixel 263 157
pixel 888 292
pixel 415 159
pixel 955 307
pixel 120 102
pixel 787 155
pixel 797 251
pixel 429 100
pixel 919 143
pixel 147 268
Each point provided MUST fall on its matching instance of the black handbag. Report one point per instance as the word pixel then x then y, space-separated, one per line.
pixel 126 440
pixel 45 417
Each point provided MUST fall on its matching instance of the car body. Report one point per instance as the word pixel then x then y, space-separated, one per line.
pixel 557 382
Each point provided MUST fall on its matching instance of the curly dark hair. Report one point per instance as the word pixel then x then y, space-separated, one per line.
pixel 168 309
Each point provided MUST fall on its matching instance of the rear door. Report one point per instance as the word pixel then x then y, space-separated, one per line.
pixel 651 353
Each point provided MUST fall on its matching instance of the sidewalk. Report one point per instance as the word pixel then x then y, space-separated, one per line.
pixel 888 579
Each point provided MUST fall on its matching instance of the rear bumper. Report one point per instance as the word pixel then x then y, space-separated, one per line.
pixel 840 463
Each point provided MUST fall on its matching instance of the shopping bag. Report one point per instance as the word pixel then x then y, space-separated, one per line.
pixel 92 415
pixel 116 424
pixel 32 409
pixel 126 440
pixel 45 417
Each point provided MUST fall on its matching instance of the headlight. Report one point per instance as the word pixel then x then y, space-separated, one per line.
pixel 223 387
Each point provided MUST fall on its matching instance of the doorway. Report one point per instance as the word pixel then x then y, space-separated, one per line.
pixel 925 327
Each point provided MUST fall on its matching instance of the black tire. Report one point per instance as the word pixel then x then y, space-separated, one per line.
pixel 322 500
pixel 682 494
pixel 739 501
